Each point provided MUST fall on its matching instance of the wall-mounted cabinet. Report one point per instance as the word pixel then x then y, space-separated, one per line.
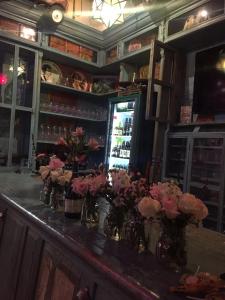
pixel 195 159
pixel 197 26
pixel 18 99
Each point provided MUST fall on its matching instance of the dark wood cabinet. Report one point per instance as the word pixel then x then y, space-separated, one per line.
pixel 11 250
pixel 34 266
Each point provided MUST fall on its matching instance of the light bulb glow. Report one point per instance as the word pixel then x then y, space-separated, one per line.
pixel 108 12
pixel 203 13
pixel 3 79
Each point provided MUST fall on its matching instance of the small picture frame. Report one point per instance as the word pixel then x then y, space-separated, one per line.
pixel 185 114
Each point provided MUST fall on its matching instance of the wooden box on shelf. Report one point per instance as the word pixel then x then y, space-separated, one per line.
pixel 73 49
pixel 57 43
pixel 86 53
pixel 9 26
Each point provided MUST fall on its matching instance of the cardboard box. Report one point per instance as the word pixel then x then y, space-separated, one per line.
pixel 57 43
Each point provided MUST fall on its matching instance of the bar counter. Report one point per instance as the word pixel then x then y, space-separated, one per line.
pixel 103 269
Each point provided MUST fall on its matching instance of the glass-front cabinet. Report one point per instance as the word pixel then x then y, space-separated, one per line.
pixel 176 163
pixel 17 100
pixel 196 161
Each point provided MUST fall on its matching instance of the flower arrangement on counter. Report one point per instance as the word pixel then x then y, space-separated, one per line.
pixel 175 210
pixel 55 178
pixel 124 220
pixel 76 148
pixel 90 187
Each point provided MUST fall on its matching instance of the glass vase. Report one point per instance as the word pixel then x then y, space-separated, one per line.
pixel 46 192
pixel 57 198
pixel 90 212
pixel 134 233
pixel 171 246
pixel 113 224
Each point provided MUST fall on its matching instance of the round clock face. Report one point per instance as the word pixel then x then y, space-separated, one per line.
pixel 57 15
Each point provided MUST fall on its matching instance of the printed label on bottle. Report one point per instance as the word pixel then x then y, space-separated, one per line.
pixel 73 206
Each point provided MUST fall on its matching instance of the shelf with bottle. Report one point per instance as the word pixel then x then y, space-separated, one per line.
pixel 123 125
pixel 121 149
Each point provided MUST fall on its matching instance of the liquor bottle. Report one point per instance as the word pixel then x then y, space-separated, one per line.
pixel 120 128
pixel 72 205
pixel 130 126
pixel 127 149
pixel 125 128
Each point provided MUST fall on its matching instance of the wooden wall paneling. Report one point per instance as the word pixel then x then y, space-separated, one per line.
pixel 29 266
pixel 3 213
pixel 11 251
pixel 59 276
pixel 45 271
pixel 180 64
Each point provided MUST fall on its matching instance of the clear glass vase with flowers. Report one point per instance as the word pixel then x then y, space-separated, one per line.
pixel 118 182
pixel 87 190
pixel 57 178
pixel 124 220
pixel 75 148
pixel 134 225
pixel 174 210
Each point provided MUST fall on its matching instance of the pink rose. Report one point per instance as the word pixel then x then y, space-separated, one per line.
pixel 96 184
pixel 149 207
pixel 81 159
pixel 170 208
pixel 80 186
pixel 56 163
pixel 40 155
pixel 44 171
pixel 93 144
pixel 62 142
pixel 79 131
pixel 189 204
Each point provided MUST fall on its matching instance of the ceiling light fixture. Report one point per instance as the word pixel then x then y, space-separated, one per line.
pixel 109 12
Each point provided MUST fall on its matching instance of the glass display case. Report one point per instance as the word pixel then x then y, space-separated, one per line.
pixel 111 55
pixel 196 161
pixel 73 49
pixel 140 42
pixel 176 163
pixel 18 29
pixel 196 17
pixel 5 116
pixel 25 75
pixel 17 80
pixel 21 138
pixel 6 70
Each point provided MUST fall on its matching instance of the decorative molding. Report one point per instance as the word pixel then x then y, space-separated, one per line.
pixel 25 11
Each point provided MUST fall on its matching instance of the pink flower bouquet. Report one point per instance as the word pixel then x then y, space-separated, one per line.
pixel 76 147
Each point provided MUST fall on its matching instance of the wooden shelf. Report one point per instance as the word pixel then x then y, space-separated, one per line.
pixel 203 35
pixel 65 58
pixel 201 185
pixel 71 90
pixel 69 116
pixel 208 147
pixel 40 141
pixel 137 58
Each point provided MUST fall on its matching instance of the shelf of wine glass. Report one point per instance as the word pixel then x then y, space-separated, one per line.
pixel 70 116
pixel 200 185
pixel 206 162
pixel 71 90
pixel 50 142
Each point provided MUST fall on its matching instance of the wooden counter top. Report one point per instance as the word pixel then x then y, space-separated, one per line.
pixel 139 274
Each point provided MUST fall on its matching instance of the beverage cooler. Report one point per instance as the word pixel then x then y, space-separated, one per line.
pixel 123 132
